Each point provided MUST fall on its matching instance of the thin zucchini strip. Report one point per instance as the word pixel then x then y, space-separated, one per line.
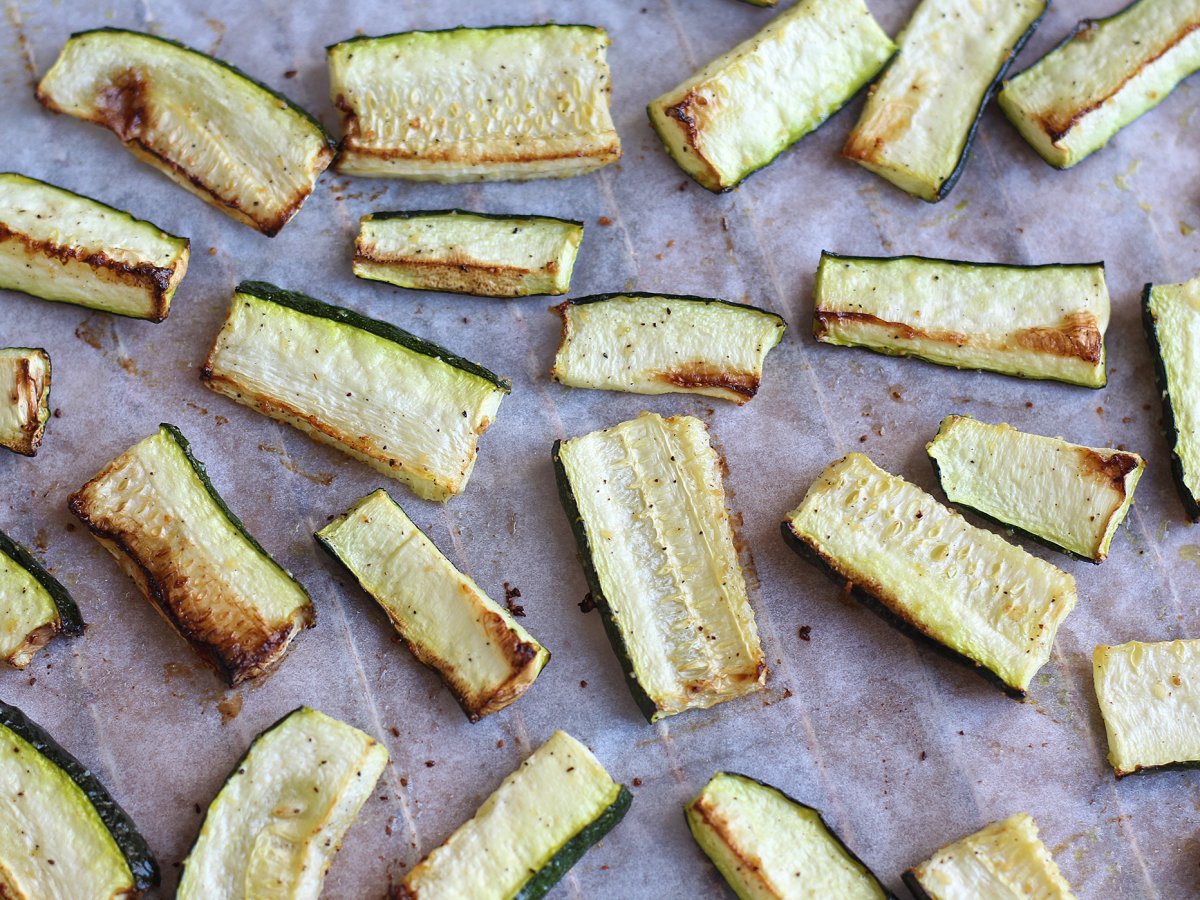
pixel 61 833
pixel 405 406
pixel 664 343
pixel 24 398
pixel 279 820
pixel 647 506
pixel 210 128
pixel 1149 697
pixel 1105 73
pixel 923 111
pixel 154 509
pixel 58 245
pixel 769 846
pixel 475 104
pixel 967 590
pixel 481 652
pixel 1030 321
pixel 468 253
pixel 743 109
pixel 1069 496
pixel 529 833
pixel 34 606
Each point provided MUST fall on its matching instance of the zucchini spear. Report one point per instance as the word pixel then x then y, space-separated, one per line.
pixel 24 398
pixel 34 606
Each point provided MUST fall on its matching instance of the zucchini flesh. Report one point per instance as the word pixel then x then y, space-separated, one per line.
pixel 922 113
pixel 468 253
pixel 1069 496
pixel 58 245
pixel 1106 73
pixel 154 509
pixel 61 832
pixel 1149 697
pixel 664 343
pixel 647 505
pixel 966 589
pixel 481 652
pixel 207 126
pixel 277 823
pixel 769 846
pixel 34 606
pixel 1029 321
pixel 743 109
pixel 475 104
pixel 24 398
pixel 528 833
pixel 1003 861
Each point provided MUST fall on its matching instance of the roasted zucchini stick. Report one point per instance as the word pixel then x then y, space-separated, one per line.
pixel 62 246
pixel 1104 74
pixel 743 109
pixel 475 104
pixel 769 846
pixel 966 589
pixel 407 407
pixel 1071 497
pixel 481 652
pixel 528 833
pixel 207 126
pixel 275 826
pixel 34 607
pixel 664 343
pixel 1029 321
pixel 647 506
pixel 468 253
pixel 24 398
pixel 154 509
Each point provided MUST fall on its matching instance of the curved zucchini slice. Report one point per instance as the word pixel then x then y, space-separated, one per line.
pixel 664 343
pixel 529 833
pixel 61 833
pixel 405 406
pixel 207 126
pixel 34 606
pixel 475 104
pixel 1004 861
pixel 1105 73
pixel 932 573
pixel 24 398
pixel 922 114
pixel 275 826
pixel 1030 321
pixel 743 109
pixel 468 253
pixel 647 506
pixel 58 245
pixel 1071 497
pixel 1149 697
pixel 154 509
pixel 769 846
pixel 481 652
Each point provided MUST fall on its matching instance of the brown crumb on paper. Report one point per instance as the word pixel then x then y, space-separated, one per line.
pixel 805 633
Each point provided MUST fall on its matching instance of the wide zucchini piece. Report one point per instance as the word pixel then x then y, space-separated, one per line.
pixel 1171 315
pixel 743 109
pixel 210 128
pixel 58 245
pixel 475 104
pixel 529 833
pixel 468 253
pixel 1043 321
pixel 481 652
pixel 155 510
pixel 34 606
pixel 24 398
pixel 931 572
pixel 405 406
pixel 647 506
pixel 1104 74
pixel 769 846
pixel 664 343
pixel 1149 697
pixel 923 111
pixel 1005 859
pixel 1069 496
pixel 61 833
pixel 277 823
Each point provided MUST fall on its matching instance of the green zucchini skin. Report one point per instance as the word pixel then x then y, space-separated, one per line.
pixel 456 211
pixel 910 881
pixel 600 298
pixel 72 622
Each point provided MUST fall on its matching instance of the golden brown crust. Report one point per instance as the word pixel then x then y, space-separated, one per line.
pixel 1077 336
pixel 28 389
pixel 34 641
pixel 699 376
pixel 460 274
pixel 1113 468
pixel 866 143
pixel 715 822
pixel 683 112
pixel 825 320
